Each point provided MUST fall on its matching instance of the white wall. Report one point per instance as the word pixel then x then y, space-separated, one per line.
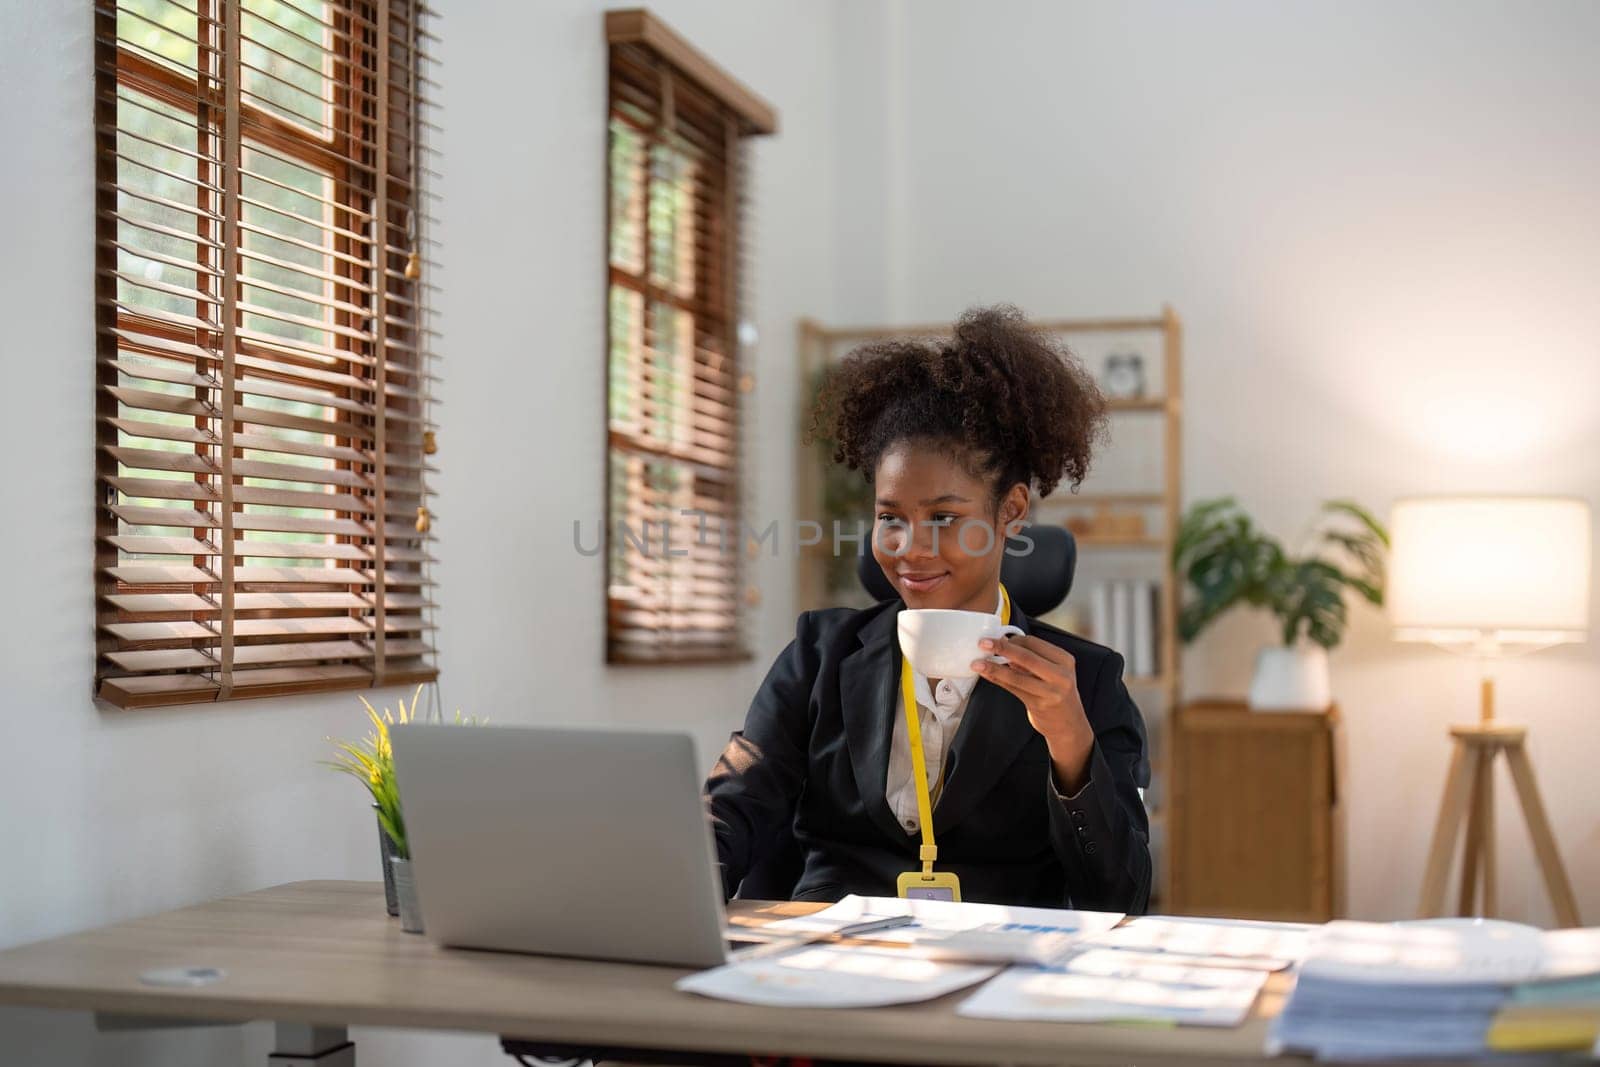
pixel 115 814
pixel 1379 222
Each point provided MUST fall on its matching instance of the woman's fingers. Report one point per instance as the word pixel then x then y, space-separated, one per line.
pixel 1053 653
pixel 1028 687
pixel 1037 657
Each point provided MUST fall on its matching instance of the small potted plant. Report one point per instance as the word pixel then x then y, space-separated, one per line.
pixel 371 760
pixel 1226 560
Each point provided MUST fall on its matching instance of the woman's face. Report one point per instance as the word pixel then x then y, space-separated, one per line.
pixel 937 535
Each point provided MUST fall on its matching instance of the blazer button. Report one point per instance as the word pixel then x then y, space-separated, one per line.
pixel 1090 848
pixel 1079 817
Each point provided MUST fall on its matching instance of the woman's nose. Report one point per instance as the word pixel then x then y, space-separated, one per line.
pixel 922 542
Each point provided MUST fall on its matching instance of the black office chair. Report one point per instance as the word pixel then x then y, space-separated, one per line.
pixel 1037 582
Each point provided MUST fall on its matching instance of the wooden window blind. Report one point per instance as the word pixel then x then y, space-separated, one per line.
pixel 264 359
pixel 677 184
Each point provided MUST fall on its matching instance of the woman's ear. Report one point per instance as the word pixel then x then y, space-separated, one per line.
pixel 1014 508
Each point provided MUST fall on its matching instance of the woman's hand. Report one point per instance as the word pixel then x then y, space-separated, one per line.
pixel 1045 679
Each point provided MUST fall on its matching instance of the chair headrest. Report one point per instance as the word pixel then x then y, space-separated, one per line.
pixel 1038 581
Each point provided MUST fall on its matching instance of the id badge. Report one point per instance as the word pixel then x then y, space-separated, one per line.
pixel 938 885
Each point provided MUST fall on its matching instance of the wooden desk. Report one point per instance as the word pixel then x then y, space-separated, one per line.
pixel 324 955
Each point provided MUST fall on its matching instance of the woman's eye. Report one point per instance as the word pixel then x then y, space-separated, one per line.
pixel 890 520
pixel 944 520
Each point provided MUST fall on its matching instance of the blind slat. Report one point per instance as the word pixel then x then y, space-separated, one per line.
pixel 149 632
pixel 146 545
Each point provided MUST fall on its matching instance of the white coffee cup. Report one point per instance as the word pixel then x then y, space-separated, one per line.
pixel 942 642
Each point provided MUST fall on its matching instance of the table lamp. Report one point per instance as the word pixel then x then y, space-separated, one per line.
pixel 1489 577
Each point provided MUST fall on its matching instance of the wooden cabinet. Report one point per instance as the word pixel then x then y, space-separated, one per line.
pixel 1254 824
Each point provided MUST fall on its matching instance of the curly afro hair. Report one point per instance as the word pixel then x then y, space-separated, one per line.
pixel 999 396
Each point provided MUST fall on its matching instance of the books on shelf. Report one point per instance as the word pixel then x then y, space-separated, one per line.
pixel 1141 650
pixel 1099 613
pixel 1122 621
pixel 1124 615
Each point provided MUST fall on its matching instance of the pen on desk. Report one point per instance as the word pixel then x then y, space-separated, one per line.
pixel 869 926
pixel 872 926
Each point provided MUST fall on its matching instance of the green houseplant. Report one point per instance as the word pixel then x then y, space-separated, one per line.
pixel 1226 560
pixel 371 761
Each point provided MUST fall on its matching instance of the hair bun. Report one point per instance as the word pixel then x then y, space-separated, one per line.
pixel 1013 403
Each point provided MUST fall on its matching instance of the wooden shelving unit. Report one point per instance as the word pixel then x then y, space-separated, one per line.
pixel 820 346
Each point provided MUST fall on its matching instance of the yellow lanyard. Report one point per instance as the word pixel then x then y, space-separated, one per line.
pixel 919 773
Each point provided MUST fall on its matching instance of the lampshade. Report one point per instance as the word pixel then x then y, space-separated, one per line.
pixel 1489 570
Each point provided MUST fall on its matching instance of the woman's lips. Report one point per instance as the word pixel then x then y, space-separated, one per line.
pixel 922 583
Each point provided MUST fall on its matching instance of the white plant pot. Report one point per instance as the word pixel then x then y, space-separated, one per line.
pixel 1291 679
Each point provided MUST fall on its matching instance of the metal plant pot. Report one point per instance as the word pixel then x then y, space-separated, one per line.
pixel 386 849
pixel 406 889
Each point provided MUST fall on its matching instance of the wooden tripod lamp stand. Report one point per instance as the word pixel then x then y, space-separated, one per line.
pixel 1489 576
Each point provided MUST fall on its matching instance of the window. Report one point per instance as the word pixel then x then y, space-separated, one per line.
pixel 263 348
pixel 676 127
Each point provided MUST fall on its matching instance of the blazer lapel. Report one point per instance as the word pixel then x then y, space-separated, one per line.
pixel 868 688
pixel 993 731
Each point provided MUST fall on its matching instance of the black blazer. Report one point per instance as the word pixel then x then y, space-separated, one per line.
pixel 814 756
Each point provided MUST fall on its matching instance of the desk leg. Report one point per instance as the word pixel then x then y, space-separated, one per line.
pixel 302 1045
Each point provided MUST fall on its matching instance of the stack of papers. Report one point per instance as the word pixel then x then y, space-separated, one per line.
pixel 947 947
pixel 1198 972
pixel 1559 1011
pixel 1426 989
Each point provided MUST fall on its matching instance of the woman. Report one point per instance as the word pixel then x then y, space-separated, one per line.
pixel 1033 768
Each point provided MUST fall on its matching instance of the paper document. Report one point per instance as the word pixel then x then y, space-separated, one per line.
pixel 835 976
pixel 1236 943
pixel 1573 953
pixel 1108 985
pixel 989 933
pixel 1472 952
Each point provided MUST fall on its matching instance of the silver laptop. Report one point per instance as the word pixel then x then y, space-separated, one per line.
pixel 564 842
